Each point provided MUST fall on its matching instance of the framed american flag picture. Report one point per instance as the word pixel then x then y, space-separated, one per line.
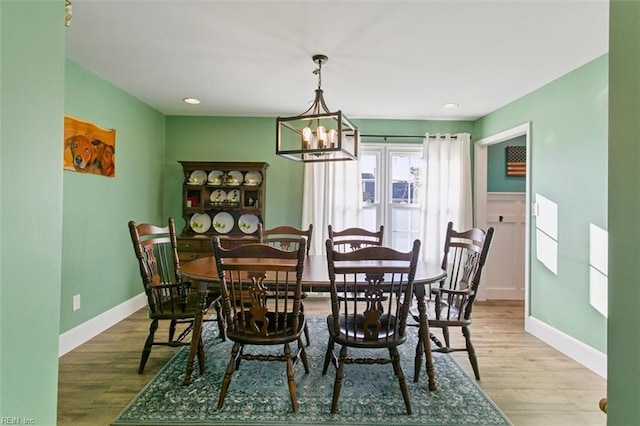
pixel 516 161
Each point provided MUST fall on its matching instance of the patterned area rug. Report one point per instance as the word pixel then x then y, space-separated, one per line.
pixel 258 394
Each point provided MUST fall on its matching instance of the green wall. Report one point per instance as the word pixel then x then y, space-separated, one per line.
pixel 623 390
pixel 253 139
pixel 233 139
pixel 568 145
pixel 410 127
pixel 31 109
pixel 497 179
pixel 97 257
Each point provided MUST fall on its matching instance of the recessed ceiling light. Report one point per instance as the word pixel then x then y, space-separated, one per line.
pixel 450 105
pixel 192 101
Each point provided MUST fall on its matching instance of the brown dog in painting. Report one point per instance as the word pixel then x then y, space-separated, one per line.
pixel 104 155
pixel 91 156
pixel 83 154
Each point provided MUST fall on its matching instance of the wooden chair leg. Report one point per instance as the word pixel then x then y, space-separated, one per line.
pixel 201 359
pixel 337 384
pixel 306 328
pixel 227 374
pixel 148 344
pixel 328 355
pixel 395 367
pixel 471 351
pixel 238 357
pixel 445 334
pixel 303 356
pixel 306 334
pixel 221 323
pixel 172 330
pixel 417 363
pixel 395 357
pixel 291 378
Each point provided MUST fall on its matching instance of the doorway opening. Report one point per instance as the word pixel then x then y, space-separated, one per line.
pixel 480 191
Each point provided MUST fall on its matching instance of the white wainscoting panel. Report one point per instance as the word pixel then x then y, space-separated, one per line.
pixel 503 276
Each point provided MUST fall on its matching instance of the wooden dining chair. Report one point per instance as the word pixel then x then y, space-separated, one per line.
pixel 233 241
pixel 285 237
pixel 465 254
pixel 383 279
pixel 168 298
pixel 261 293
pixel 355 238
pixel 288 238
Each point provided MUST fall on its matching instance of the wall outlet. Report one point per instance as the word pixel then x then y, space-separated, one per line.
pixel 76 302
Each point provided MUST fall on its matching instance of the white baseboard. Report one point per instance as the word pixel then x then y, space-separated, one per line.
pixel 591 358
pixel 504 294
pixel 73 338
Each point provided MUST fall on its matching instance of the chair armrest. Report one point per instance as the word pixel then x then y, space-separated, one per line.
pixel 449 295
pixel 437 291
pixel 186 284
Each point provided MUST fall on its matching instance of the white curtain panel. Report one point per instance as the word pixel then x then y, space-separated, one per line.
pixel 447 191
pixel 332 195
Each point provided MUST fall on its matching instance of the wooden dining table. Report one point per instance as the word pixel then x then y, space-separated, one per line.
pixel 315 278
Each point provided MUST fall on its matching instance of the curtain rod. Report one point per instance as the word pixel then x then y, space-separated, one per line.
pixel 405 136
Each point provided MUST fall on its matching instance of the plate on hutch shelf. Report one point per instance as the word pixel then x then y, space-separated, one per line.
pixel 223 222
pixel 234 196
pixel 197 177
pixel 248 223
pixel 218 196
pixel 253 179
pixel 215 177
pixel 200 222
pixel 234 178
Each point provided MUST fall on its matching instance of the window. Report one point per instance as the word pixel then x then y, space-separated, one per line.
pixel 391 191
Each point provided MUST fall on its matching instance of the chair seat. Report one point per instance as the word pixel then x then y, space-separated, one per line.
pixel 279 329
pixel 173 309
pixel 352 332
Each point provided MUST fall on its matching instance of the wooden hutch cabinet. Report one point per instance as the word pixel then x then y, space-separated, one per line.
pixel 225 199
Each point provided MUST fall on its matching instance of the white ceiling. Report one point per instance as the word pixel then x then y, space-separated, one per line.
pixel 387 59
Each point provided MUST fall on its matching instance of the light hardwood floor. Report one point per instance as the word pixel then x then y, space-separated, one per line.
pixel 532 383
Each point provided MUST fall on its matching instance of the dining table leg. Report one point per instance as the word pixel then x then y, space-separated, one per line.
pixel 196 347
pixel 419 291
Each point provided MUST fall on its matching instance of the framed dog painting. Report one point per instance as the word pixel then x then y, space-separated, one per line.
pixel 89 148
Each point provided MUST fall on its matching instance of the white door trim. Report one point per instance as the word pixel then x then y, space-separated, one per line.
pixel 480 191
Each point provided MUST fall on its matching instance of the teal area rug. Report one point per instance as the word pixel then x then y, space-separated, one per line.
pixel 258 394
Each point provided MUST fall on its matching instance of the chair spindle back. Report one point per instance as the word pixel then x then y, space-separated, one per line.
pixel 355 238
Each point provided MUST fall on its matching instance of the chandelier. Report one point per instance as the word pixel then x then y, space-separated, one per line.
pixel 317 135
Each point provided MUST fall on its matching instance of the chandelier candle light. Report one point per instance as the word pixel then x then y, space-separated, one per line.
pixel 317 135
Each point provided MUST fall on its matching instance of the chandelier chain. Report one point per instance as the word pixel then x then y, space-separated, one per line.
pixel 318 72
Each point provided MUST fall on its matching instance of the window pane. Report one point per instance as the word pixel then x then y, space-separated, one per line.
pixel 369 218
pixel 405 178
pixel 368 168
pixel 405 227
